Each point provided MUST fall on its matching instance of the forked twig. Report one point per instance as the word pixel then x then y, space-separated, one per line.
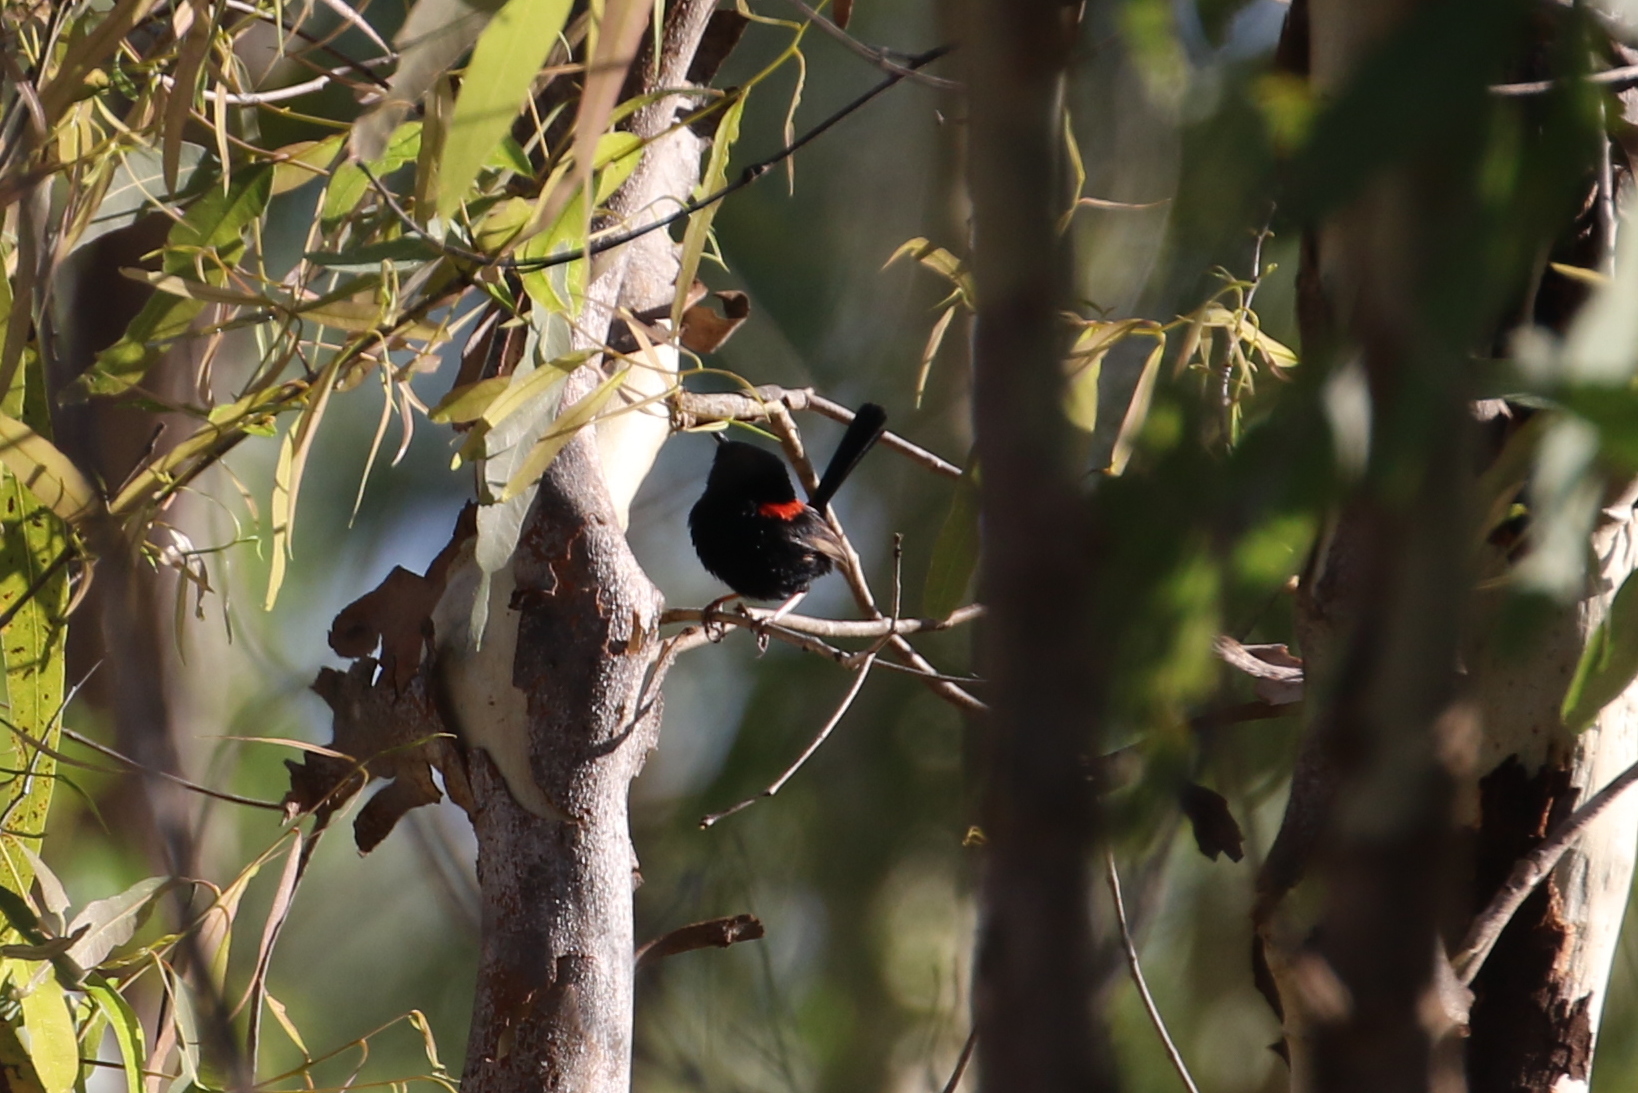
pixel 1137 976
pixel 807 753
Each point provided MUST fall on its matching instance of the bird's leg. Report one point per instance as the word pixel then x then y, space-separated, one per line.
pixel 716 630
pixel 785 608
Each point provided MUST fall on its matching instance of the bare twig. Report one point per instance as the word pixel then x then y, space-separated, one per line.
pixel 807 753
pixel 1528 872
pixel 691 408
pixel 827 628
pixel 281 94
pixel 1137 976
pixel 877 57
pixel 962 1061
pixel 716 932
pixel 1615 79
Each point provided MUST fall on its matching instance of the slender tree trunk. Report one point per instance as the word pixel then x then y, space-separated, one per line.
pixel 1033 996
pixel 554 1000
pixel 1379 1012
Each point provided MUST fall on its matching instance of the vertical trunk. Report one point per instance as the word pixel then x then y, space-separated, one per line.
pixel 1372 803
pixel 1536 1000
pixel 1032 998
pixel 573 692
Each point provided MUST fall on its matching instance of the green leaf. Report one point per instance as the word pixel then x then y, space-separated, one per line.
pixel 432 39
pixel 568 423
pixel 109 923
pixel 468 401
pixel 39 488
pixel 127 1031
pixel 699 225
pixel 215 222
pixel 1608 664
pixel 404 249
pixel 52 1043
pixel 509 54
pixel 1137 411
pixel 955 552
pixel 348 184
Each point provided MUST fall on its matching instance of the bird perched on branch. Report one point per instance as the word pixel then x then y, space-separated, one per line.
pixel 751 531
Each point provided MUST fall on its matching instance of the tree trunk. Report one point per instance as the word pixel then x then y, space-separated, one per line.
pixel 1536 1001
pixel 1033 991
pixel 574 689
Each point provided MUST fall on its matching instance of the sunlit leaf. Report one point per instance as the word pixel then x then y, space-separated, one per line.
pixel 127 1031
pixel 699 225
pixel 214 223
pixel 1137 411
pixel 935 338
pixel 468 402
pixel 509 53
pixel 110 923
pixel 1608 664
pixel 563 430
pixel 434 36
pixel 46 472
pixel 53 1044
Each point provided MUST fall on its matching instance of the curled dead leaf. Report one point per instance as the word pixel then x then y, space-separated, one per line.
pixel 704 331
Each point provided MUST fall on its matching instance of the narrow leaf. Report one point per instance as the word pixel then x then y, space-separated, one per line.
pixel 1137 411
pixel 1608 664
pixel 955 552
pixel 127 1031
pixel 52 1043
pixel 568 423
pixel 509 53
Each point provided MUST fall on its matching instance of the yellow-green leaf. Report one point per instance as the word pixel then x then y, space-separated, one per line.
pixel 1608 664
pixel 1137 411
pixel 469 401
pixel 47 473
pixel 699 225
pixel 504 63
pixel 52 1044
pixel 568 423
pixel 127 1031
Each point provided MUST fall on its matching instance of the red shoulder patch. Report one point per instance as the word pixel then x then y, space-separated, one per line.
pixel 781 510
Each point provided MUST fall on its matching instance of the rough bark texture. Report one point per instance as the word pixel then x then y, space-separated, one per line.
pixel 1537 1000
pixel 554 1001
pixel 554 985
pixel 1540 994
pixel 1032 996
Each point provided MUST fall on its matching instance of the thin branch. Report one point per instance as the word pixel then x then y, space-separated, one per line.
pixel 1137 976
pixel 691 408
pixel 750 174
pixel 807 753
pixel 1615 79
pixel 825 628
pixel 717 932
pixel 135 767
pixel 877 57
pixel 1528 872
pixel 961 1062
pixel 282 94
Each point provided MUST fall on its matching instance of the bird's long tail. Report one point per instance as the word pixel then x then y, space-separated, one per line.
pixel 863 432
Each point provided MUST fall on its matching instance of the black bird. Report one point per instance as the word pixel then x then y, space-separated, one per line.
pixel 750 530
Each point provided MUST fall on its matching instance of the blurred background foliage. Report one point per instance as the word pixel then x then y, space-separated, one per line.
pixel 862 868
